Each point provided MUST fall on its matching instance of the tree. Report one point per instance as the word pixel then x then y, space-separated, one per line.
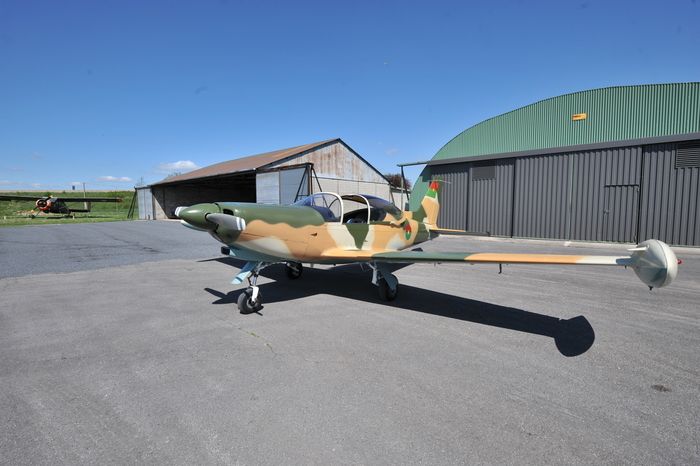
pixel 395 180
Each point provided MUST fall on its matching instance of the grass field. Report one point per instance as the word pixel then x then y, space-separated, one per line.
pixel 16 213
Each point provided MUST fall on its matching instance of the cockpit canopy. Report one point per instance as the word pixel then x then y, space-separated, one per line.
pixel 351 208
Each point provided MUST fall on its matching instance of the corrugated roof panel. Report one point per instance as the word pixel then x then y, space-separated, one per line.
pixel 612 114
pixel 251 162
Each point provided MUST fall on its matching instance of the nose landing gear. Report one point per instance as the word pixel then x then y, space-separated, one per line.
pixel 250 300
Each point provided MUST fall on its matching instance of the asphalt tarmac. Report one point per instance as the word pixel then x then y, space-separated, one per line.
pixel 121 343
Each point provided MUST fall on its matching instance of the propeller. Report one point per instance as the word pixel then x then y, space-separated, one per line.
pixel 189 225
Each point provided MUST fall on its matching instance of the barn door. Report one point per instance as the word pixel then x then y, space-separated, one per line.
pixel 621 204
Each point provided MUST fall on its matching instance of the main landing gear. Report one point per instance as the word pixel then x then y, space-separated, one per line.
pixel 250 300
pixel 294 270
pixel 387 283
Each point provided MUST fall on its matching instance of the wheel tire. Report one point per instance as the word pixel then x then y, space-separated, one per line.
pixel 386 293
pixel 294 270
pixel 246 305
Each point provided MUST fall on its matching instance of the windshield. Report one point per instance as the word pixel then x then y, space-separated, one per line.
pixel 331 207
pixel 328 205
pixel 383 205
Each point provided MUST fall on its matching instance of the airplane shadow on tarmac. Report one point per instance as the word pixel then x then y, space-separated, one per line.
pixel 572 337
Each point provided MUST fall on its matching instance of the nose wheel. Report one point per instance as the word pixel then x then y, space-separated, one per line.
pixel 251 299
pixel 248 302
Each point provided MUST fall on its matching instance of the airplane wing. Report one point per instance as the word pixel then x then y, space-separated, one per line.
pixel 89 199
pixel 653 261
pixel 499 258
pixel 450 231
pixel 5 197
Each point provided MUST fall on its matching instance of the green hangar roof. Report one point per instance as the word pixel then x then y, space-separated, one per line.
pixel 587 118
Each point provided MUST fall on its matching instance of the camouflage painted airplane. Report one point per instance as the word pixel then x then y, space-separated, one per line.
pixel 326 228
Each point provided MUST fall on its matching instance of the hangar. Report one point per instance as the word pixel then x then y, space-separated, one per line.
pixel 279 177
pixel 618 164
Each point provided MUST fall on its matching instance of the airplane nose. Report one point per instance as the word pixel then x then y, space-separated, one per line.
pixel 196 215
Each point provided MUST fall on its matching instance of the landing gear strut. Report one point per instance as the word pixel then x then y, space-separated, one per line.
pixel 251 299
pixel 387 283
pixel 294 270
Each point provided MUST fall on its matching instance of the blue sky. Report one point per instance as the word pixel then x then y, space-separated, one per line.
pixel 109 93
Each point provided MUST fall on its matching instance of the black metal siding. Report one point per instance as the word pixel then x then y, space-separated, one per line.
pixel 669 201
pixel 491 201
pixel 625 194
pixel 605 194
pixel 454 195
pixel 541 196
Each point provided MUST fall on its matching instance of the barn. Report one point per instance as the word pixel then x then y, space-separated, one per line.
pixel 278 177
pixel 618 164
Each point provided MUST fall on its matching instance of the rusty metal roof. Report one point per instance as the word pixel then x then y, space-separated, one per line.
pixel 244 164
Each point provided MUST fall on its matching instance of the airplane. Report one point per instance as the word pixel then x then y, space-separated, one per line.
pixel 57 205
pixel 326 228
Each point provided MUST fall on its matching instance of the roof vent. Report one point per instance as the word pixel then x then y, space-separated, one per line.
pixel 483 172
pixel 688 154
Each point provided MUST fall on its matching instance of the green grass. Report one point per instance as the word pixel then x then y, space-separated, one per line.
pixel 16 213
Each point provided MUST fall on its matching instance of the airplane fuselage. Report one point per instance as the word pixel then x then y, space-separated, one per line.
pixel 300 233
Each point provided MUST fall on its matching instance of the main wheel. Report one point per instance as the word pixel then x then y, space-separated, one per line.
pixel 246 304
pixel 385 291
pixel 294 270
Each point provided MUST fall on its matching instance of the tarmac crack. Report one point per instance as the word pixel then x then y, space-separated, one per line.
pixel 255 335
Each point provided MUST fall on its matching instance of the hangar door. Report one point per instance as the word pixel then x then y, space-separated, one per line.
pixel 282 186
pixel 145 202
pixel 621 204
pixel 476 197
pixel 454 195
pixel 491 197
pixel 670 204
pixel 588 195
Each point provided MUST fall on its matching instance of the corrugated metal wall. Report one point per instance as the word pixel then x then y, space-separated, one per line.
pixel 621 195
pixel 267 187
pixel 590 195
pixel 542 196
pixel 491 201
pixel 145 201
pixel 294 185
pixel 669 201
pixel 454 195
pixel 605 194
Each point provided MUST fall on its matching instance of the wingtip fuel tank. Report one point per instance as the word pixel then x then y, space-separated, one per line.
pixel 654 263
